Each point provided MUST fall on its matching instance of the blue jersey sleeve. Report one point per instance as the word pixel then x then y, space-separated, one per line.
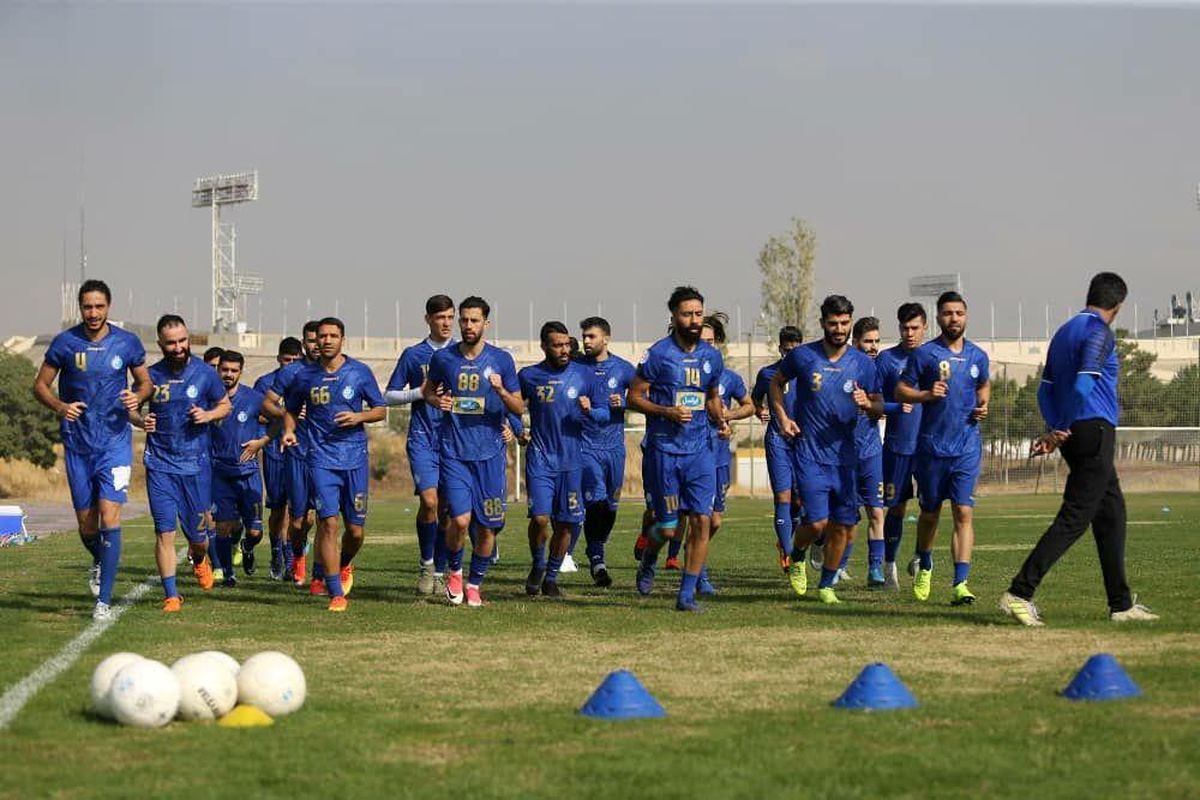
pixel 738 387
pixel 1095 350
pixel 214 389
pixel 370 388
pixel 55 354
pixel 137 352
pixel 718 366
pixel 293 400
pixel 508 373
pixel 791 365
pixel 984 369
pixel 912 369
pixel 872 383
pixel 597 392
pixel 647 368
pixel 762 385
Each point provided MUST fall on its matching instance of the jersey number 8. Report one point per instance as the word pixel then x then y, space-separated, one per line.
pixel 468 381
pixel 944 370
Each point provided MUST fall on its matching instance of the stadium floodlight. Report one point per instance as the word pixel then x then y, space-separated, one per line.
pixel 229 289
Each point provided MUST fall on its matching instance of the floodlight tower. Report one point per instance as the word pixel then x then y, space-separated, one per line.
pixel 229 289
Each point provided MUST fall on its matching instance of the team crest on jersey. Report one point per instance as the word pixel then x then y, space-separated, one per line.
pixel 721 391
pixel 347 392
pixel 612 383
pixel 707 368
pixel 974 370
pixel 192 392
pixel 572 392
pixel 487 372
pixel 117 362
pixel 242 417
pixel 848 386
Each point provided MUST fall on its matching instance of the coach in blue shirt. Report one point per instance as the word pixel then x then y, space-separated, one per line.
pixel 1078 400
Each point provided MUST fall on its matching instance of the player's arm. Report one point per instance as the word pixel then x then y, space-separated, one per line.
pixel 398 392
pixel 745 408
pixel 142 387
pixel 220 410
pixel 983 396
pixel 716 409
pixel 505 384
pixel 594 402
pixel 909 393
pixel 787 425
pixel 758 396
pixel 372 398
pixel 43 390
pixel 639 400
pixel 272 406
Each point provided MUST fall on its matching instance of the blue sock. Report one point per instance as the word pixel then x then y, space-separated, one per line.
pixel 783 525
pixel 687 586
pixel 333 585
pixel 926 558
pixel 289 557
pixel 553 565
pixel 318 570
pixel 961 570
pixel 893 530
pixel 537 553
pixel 827 576
pixel 440 554
pixel 454 560
pixel 224 553
pixel 846 555
pixel 479 568
pixel 427 535
pixel 875 548
pixel 674 547
pixel 169 589
pixel 703 576
pixel 575 531
pixel 110 558
pixel 92 545
pixel 276 548
pixel 213 555
pixel 595 552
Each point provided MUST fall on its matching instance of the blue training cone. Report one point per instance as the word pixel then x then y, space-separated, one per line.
pixel 1101 678
pixel 876 689
pixel 621 696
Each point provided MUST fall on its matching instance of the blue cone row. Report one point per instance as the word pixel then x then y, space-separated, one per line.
pixel 876 689
pixel 1101 678
pixel 621 696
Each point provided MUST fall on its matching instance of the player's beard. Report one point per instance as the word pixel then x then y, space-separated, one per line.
pixel 952 335
pixel 836 340
pixel 95 326
pixel 179 360
pixel 690 335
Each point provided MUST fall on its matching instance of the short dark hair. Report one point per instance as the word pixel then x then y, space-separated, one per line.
pixel 717 321
pixel 910 311
pixel 950 297
pixel 213 352
pixel 681 295
pixel 233 357
pixel 553 326
pixel 790 334
pixel 864 325
pixel 168 321
pixel 596 322
pixel 311 326
pixel 326 321
pixel 835 305
pixel 474 301
pixel 290 346
pixel 1107 290
pixel 439 303
pixel 93 285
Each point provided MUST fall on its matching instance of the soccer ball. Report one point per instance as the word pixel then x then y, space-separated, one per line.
pixel 207 690
pixel 273 682
pixel 229 661
pixel 145 694
pixel 102 680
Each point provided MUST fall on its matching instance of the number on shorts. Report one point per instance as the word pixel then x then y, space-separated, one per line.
pixel 572 500
pixel 889 491
pixel 672 502
pixel 880 490
pixel 493 507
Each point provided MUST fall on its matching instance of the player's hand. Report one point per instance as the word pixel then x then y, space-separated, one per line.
pixel 585 402
pixel 980 413
pixel 347 419
pixel 250 450
pixel 906 408
pixel 1047 443
pixel 616 401
pixel 445 401
pixel 149 423
pixel 860 397
pixel 789 428
pixel 129 400
pixel 198 415
pixel 939 390
pixel 506 434
pixel 496 381
pixel 288 439
pixel 724 431
pixel 525 438
pixel 764 415
pixel 73 411
pixel 679 415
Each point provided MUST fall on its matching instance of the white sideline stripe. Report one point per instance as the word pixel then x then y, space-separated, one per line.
pixel 19 694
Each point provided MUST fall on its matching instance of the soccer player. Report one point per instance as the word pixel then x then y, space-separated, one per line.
pixel 332 394
pixel 212 357
pixel 476 384
pixel 899 435
pixel 560 394
pixel 870 467
pixel 237 490
pixel 676 381
pixel 422 445
pixel 834 382
pixel 274 467
pixel 949 378
pixel 1078 400
pixel 603 452
pixel 187 397
pixel 92 361
pixel 780 458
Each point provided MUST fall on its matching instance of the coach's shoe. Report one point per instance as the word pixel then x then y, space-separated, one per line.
pixel 347 576
pixel 875 578
pixel 688 604
pixel 204 574
pixel 316 587
pixel 276 565
pixel 102 612
pixel 1135 613
pixel 645 580
pixel 798 578
pixel 454 588
pixel 172 605
pixel 247 558
pixel 961 596
pixel 568 564
pixel 299 571
pixel 827 596
pixel 891 583
pixel 425 580
pixel 474 598
pixel 921 584
pixel 339 603
pixel 533 581
pixel 639 548
pixel 94 579
pixel 600 576
pixel 1020 609
pixel 550 589
pixel 785 560
pixel 672 564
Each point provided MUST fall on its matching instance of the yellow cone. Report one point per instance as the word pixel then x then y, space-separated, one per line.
pixel 244 716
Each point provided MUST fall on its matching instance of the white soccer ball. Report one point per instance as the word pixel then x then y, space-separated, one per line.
pixel 102 679
pixel 145 694
pixel 207 689
pixel 273 682
pixel 229 661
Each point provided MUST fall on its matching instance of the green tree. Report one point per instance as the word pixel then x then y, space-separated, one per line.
pixel 28 430
pixel 785 264
pixel 1140 393
pixel 1181 398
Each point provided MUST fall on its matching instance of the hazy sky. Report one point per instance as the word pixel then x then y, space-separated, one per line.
pixel 599 153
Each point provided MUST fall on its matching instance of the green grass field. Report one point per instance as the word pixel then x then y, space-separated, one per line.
pixel 409 698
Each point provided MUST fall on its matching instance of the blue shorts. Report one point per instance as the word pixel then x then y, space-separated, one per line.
pixel 300 494
pixel 340 492
pixel 780 464
pixel 479 488
pixel 275 480
pixel 722 487
pixel 946 478
pixel 870 481
pixel 424 460
pixel 555 494
pixel 828 492
pixel 238 497
pixel 897 478
pixel 181 500
pixel 98 476
pixel 679 481
pixel 603 476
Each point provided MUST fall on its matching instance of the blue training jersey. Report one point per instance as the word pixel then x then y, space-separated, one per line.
pixel 900 430
pixel 760 395
pixel 823 404
pixel 95 373
pixel 680 378
pixel 263 385
pixel 731 387
pixel 229 435
pixel 470 431
pixel 947 428
pixel 1084 345
pixel 411 369
pixel 556 420
pixel 284 377
pixel 178 445
pixel 323 394
pixel 614 373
